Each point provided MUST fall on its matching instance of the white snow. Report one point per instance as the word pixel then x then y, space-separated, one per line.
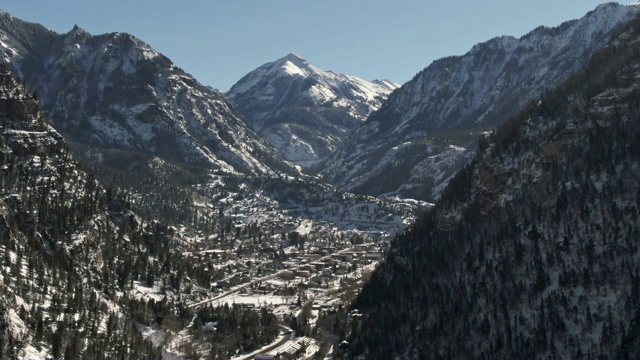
pixel 291 69
pixel 256 300
pixel 320 94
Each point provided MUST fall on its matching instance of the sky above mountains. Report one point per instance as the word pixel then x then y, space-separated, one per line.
pixel 219 41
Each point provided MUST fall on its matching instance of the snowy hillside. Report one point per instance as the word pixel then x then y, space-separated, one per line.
pixel 306 112
pixel 456 98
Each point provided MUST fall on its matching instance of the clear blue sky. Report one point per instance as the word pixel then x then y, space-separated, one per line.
pixel 219 41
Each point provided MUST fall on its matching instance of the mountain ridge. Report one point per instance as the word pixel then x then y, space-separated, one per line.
pixel 455 98
pixel 106 106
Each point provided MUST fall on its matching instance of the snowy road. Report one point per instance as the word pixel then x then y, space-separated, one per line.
pixel 287 334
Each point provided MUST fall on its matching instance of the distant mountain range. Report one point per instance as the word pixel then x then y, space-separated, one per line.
pixel 122 104
pixel 305 112
pixel 429 127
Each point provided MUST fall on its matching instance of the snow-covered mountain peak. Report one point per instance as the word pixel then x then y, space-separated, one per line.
pixel 293 65
pixel 295 59
pixel 288 66
pixel 304 111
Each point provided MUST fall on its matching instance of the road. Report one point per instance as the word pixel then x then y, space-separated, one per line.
pixel 288 333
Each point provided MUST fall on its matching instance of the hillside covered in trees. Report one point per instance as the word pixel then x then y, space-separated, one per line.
pixel 533 250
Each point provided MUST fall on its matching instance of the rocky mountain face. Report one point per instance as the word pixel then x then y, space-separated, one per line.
pixel 305 112
pixel 428 128
pixel 532 251
pixel 121 103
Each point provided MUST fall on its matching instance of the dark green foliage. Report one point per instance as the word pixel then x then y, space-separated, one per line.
pixel 229 328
